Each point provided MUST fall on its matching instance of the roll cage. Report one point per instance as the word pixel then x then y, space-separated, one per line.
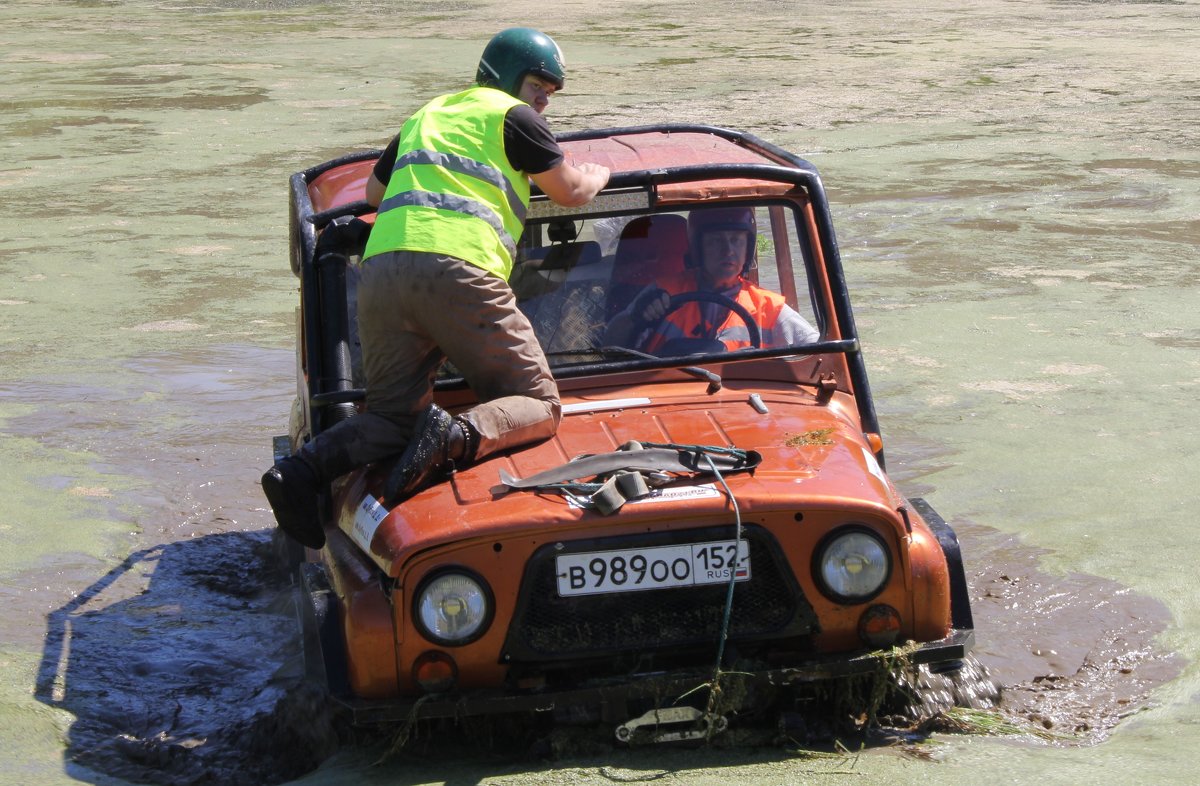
pixel 325 320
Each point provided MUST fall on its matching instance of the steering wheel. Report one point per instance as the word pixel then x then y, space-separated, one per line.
pixel 682 299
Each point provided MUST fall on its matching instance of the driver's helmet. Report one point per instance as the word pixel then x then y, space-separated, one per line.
pixel 721 219
pixel 515 52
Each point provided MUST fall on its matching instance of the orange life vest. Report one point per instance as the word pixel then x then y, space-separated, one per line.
pixel 689 322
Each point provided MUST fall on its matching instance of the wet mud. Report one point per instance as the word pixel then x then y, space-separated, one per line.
pixel 183 664
pixel 193 675
pixel 1075 654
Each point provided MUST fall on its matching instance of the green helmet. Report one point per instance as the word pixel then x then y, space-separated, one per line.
pixel 515 52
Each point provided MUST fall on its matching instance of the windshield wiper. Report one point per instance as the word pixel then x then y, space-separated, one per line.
pixel 713 379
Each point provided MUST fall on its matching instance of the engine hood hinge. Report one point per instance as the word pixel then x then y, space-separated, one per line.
pixel 826 387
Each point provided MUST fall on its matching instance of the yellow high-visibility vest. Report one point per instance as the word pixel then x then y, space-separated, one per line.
pixel 452 190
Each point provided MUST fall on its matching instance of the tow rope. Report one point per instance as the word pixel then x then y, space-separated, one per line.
pixel 631 471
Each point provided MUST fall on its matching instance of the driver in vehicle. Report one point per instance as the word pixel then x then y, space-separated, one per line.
pixel 721 250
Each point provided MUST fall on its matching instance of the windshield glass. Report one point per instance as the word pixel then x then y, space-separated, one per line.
pixel 710 281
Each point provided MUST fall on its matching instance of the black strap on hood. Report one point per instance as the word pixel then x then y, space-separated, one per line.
pixel 654 464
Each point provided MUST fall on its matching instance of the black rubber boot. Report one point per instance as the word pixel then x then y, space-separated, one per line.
pixel 291 487
pixel 440 443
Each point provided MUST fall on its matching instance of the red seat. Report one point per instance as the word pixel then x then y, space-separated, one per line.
pixel 650 248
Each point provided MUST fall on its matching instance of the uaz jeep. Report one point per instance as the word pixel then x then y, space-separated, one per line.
pixel 712 512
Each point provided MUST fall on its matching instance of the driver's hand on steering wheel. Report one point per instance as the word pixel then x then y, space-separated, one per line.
pixel 650 306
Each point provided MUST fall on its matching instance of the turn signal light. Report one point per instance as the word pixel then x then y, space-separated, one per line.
pixel 435 671
pixel 879 626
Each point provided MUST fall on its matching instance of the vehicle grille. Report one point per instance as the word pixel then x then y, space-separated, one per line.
pixel 548 627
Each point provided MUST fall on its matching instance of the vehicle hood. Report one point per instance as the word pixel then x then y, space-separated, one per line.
pixel 814 455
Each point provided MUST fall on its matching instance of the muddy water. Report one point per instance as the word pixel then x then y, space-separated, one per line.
pixel 1014 188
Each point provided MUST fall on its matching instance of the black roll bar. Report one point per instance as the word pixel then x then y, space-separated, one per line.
pixel 791 169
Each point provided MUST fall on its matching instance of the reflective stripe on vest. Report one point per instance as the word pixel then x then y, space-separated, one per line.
pixel 764 305
pixel 452 190
pixel 471 168
pixel 454 204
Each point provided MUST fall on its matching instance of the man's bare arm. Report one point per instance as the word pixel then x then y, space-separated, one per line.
pixel 572 185
pixel 375 191
pixel 566 184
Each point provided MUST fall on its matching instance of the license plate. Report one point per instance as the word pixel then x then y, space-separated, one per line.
pixel 657 567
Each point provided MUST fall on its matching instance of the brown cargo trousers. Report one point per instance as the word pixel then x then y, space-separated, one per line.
pixel 416 310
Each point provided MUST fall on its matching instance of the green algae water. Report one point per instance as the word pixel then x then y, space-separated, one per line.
pixel 1014 190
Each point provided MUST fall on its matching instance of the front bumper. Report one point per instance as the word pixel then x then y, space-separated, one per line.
pixel 611 697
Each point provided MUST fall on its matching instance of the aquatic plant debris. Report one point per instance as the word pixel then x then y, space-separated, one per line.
pixel 821 436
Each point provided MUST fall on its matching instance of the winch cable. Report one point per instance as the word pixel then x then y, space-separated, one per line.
pixel 687 458
pixel 714 685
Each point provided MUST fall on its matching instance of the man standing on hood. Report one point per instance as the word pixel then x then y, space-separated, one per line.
pixel 451 189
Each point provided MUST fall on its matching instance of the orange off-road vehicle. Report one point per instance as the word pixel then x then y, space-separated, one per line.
pixel 711 532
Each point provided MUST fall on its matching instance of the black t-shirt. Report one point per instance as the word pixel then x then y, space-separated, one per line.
pixel 528 143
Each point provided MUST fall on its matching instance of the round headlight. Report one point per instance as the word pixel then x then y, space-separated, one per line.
pixel 852 566
pixel 453 608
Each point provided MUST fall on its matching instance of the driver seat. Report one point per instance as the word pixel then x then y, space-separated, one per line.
pixel 650 248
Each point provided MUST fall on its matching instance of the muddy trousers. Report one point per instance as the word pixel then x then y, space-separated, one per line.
pixel 415 311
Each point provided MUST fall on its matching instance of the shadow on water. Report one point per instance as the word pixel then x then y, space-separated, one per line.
pixel 180 666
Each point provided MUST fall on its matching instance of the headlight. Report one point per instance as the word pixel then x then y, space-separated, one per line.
pixel 453 608
pixel 852 565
